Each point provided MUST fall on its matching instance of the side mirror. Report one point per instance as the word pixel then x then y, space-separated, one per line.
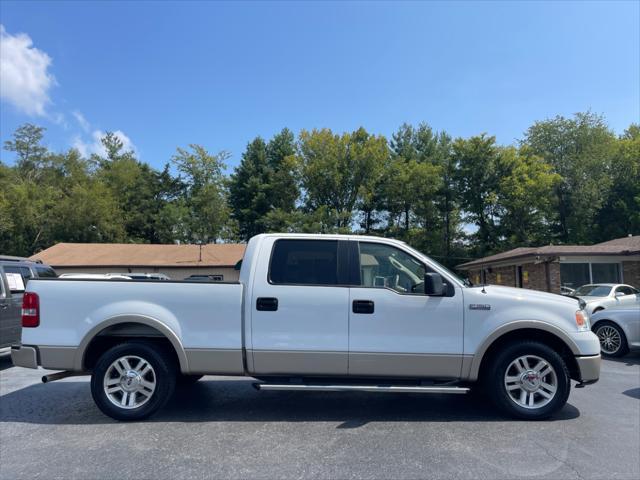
pixel 433 284
pixel 620 294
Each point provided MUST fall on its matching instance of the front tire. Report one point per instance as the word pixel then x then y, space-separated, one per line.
pixel 613 341
pixel 529 380
pixel 133 380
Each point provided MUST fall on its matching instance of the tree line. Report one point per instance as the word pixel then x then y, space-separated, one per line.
pixel 568 180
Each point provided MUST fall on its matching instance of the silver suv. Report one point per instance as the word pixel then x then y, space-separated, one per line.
pixel 15 272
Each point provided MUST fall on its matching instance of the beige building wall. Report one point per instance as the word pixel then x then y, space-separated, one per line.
pixel 175 273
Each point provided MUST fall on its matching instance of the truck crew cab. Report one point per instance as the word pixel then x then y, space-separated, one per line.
pixel 312 312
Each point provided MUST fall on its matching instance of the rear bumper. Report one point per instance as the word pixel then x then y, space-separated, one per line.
pixel 589 368
pixel 24 356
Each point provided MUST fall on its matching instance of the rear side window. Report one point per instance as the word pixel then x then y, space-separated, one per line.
pixel 625 290
pixel 304 262
pixel 45 272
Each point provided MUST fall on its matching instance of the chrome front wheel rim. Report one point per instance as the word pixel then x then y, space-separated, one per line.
pixel 610 339
pixel 531 382
pixel 129 382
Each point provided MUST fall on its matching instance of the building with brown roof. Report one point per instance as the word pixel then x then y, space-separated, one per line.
pixel 551 267
pixel 176 261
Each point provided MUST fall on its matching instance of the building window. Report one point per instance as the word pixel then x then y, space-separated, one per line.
pixel 574 275
pixel 605 273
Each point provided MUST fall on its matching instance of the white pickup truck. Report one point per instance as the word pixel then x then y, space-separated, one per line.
pixel 312 312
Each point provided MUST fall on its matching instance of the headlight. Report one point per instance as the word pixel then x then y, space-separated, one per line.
pixel 582 321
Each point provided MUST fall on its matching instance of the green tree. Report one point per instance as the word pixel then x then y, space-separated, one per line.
pixel 250 190
pixel 281 151
pixel 338 171
pixel 620 213
pixel 580 150
pixel 27 145
pixel 418 189
pixel 477 179
pixel 264 181
pixel 142 191
pixel 205 202
pixel 525 198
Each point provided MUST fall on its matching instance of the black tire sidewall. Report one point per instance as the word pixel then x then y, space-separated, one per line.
pixel 624 348
pixel 165 372
pixel 498 391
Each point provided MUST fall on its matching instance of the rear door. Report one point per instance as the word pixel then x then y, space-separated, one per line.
pixel 11 291
pixel 394 328
pixel 299 308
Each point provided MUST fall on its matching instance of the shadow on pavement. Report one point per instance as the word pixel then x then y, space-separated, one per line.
pixel 70 403
pixel 633 393
pixel 630 359
pixel 5 361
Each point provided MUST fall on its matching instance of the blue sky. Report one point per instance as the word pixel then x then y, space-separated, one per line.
pixel 168 74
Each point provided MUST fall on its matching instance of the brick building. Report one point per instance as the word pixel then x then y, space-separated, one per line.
pixel 176 261
pixel 554 266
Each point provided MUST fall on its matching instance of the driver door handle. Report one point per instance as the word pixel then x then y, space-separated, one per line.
pixel 363 306
pixel 267 304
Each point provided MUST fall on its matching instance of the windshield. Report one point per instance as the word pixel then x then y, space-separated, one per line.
pixel 593 291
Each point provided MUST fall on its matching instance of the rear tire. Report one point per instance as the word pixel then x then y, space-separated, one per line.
pixel 613 341
pixel 133 380
pixel 528 380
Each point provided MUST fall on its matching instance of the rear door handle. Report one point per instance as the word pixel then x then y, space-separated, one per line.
pixel 363 306
pixel 267 304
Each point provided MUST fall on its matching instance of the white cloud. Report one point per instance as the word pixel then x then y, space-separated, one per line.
pixel 84 124
pixel 25 80
pixel 94 145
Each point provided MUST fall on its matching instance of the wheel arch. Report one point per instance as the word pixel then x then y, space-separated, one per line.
pixel 525 330
pixel 621 326
pixel 127 327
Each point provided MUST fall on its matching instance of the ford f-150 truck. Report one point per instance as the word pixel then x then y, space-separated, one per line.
pixel 312 312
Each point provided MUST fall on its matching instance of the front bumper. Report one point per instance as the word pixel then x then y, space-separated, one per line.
pixel 24 356
pixel 589 368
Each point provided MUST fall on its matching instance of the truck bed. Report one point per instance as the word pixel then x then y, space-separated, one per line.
pixel 206 318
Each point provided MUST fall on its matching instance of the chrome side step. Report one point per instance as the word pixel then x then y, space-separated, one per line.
pixel 362 388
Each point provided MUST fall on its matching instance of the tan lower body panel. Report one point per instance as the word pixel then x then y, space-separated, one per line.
pixel 405 365
pixel 288 362
pixel 57 358
pixel 209 361
pixel 276 362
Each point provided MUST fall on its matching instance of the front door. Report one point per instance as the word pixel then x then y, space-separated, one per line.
pixel 299 313
pixel 397 330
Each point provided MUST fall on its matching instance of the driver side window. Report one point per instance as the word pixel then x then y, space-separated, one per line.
pixel 384 266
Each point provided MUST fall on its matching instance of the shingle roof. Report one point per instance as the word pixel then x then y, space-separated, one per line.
pixel 619 246
pixel 140 255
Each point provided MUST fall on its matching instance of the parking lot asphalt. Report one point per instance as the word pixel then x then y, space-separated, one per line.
pixel 222 427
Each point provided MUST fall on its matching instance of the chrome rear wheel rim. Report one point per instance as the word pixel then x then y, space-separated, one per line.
pixel 129 382
pixel 610 340
pixel 531 382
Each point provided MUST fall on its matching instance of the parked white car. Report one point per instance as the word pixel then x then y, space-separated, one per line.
pixel 618 330
pixel 312 312
pixel 600 296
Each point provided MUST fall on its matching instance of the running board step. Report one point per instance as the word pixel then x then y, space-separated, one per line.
pixel 362 388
